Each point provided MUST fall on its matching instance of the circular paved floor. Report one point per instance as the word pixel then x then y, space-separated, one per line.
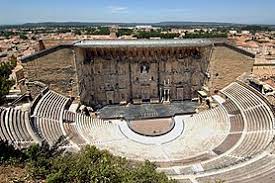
pixel 152 127
pixel 171 135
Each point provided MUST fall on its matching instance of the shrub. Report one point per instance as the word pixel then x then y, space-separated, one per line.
pixel 5 82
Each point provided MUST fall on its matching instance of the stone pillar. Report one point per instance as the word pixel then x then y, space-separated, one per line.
pixel 76 74
pixel 168 95
pixel 160 94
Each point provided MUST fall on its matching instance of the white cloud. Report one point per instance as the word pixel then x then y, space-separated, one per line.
pixel 118 9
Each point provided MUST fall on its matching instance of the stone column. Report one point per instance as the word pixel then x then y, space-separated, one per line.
pixel 168 95
pixel 160 94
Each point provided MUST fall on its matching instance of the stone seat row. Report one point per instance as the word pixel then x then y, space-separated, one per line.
pixel 73 135
pixel 252 172
pixel 255 122
pixel 70 127
pixel 231 107
pixel 51 106
pixel 68 116
pixel 258 119
pixel 242 95
pixel 47 115
pixel 13 126
pixel 88 127
pixel 49 130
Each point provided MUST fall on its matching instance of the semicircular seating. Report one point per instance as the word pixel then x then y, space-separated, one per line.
pixel 111 135
pixel 252 155
pixel 236 139
pixel 47 116
pixel 13 127
pixel 70 127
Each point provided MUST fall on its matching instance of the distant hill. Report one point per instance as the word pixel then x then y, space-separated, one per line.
pixel 128 24
pixel 197 23
pixel 159 24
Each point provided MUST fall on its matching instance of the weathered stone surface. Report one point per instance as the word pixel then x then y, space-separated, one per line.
pixel 112 75
pixel 225 66
pixel 56 69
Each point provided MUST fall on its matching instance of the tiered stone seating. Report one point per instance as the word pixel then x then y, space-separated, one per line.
pixel 228 143
pixel 251 134
pixel 68 117
pixel 107 135
pixel 13 127
pixel 237 123
pixel 263 176
pixel 51 106
pixel 220 162
pixel 244 173
pixel 47 116
pixel 4 133
pixel 72 134
pixel 231 142
pixel 69 123
pixel 242 96
pixel 258 125
pixel 185 181
pixel 236 119
pixel 252 144
pixel 259 120
pixel 231 107
pixel 236 128
pixel 91 128
pixel 49 130
pixel 211 128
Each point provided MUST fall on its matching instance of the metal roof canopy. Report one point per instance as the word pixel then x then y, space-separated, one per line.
pixel 144 43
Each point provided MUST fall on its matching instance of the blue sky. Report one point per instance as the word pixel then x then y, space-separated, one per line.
pixel 235 11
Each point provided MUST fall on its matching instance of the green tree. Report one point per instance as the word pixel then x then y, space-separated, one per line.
pixel 93 165
pixel 122 32
pixel 10 155
pixel 40 158
pixel 102 31
pixel 53 165
pixel 5 82
pixel 146 173
pixel 23 36
pixel 77 32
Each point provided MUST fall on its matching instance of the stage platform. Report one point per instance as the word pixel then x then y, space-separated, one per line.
pixel 147 111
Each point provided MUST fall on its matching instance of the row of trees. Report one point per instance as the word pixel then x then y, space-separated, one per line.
pixel 153 33
pixel 256 28
pixel 201 34
pixel 122 32
pixel 5 83
pixel 206 35
pixel 8 34
pixel 88 165
pixel 93 31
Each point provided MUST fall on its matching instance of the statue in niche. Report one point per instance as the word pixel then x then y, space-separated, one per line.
pixel 144 69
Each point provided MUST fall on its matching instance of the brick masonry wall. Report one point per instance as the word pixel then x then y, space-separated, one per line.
pixel 55 69
pixel 102 76
pixel 114 75
pixel 225 66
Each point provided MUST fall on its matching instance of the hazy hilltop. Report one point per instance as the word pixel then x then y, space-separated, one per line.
pixel 130 24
